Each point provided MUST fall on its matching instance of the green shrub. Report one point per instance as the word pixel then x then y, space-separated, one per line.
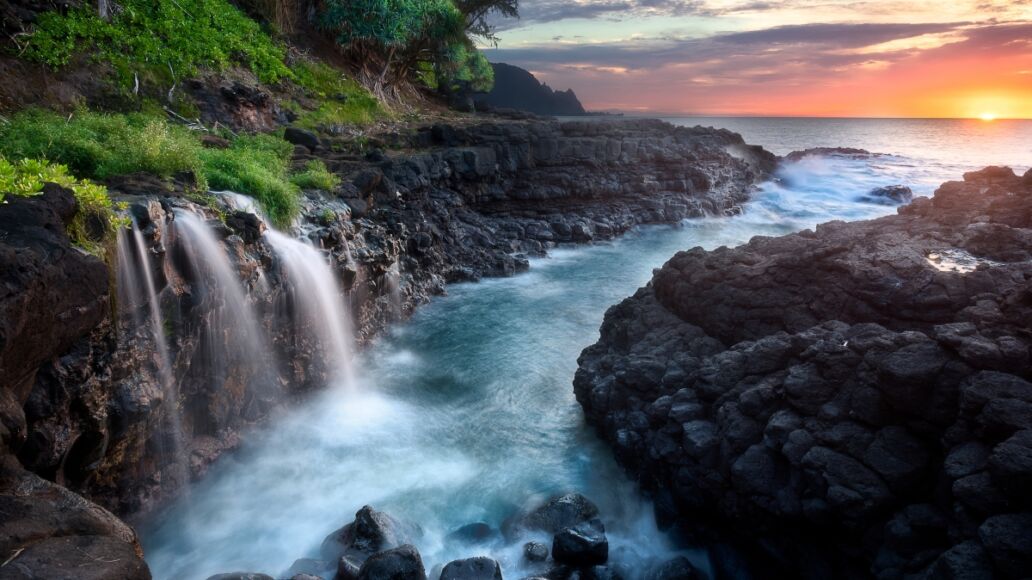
pixel 256 166
pixel 26 177
pixel 315 176
pixel 167 38
pixel 101 145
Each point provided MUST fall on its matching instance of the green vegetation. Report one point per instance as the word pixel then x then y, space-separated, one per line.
pixel 394 41
pixel 342 100
pixel 100 146
pixel 167 39
pixel 96 217
pixel 315 176
pixel 256 166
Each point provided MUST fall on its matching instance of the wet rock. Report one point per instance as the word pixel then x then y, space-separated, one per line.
pixel 561 512
pixel 583 544
pixel 348 568
pixel 891 194
pixel 535 552
pixel 241 576
pixel 371 532
pixel 473 533
pixel 401 563
pixel 480 568
pixel 308 567
pixel 853 412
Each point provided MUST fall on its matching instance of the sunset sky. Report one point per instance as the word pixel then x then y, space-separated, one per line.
pixel 880 58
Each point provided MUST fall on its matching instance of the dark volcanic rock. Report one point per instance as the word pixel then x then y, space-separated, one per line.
pixel 371 532
pixel 840 402
pixel 583 544
pixel 480 568
pixel 560 512
pixel 47 531
pixel 401 563
pixel 535 552
pixel 890 194
pixel 52 294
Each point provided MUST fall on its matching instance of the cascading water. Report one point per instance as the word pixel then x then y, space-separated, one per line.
pixel 137 288
pixel 235 346
pixel 317 299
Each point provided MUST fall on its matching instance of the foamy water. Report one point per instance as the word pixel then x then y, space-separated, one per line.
pixel 466 413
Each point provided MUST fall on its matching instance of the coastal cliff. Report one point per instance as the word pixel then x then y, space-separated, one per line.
pixel 848 402
pixel 125 400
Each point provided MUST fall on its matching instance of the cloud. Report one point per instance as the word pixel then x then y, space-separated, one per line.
pixel 554 10
pixel 776 60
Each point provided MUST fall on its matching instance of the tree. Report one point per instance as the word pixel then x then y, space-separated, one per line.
pixel 390 41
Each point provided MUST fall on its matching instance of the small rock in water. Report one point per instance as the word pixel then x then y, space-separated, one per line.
pixel 477 532
pixel 535 552
pixel 305 577
pixel 402 563
pixel 561 512
pixel 891 194
pixel 584 544
pixel 371 532
pixel 480 568
pixel 241 576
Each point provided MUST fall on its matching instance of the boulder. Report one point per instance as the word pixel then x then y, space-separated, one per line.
pixel 371 532
pixel 890 194
pixel 535 552
pixel 559 513
pixel 401 563
pixel 302 137
pixel 583 544
pixel 480 568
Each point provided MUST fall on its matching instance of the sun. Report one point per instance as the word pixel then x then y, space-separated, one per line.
pixel 987 116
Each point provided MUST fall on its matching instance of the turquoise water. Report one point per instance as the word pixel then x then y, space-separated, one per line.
pixel 466 413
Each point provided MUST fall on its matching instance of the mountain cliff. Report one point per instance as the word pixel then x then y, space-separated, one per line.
pixel 516 88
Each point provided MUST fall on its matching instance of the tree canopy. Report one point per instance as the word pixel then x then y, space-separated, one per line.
pixel 391 41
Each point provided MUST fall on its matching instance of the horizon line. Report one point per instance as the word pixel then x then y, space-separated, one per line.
pixel 776 116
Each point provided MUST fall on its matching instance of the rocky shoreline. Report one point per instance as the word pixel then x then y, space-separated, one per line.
pixel 83 403
pixel 849 402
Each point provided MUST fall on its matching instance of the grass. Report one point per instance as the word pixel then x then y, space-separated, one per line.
pixel 96 217
pixel 102 145
pixel 315 176
pixel 168 39
pixel 342 101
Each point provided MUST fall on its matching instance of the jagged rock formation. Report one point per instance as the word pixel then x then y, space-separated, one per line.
pixel 52 295
pixel 448 203
pixel 847 402
pixel 516 88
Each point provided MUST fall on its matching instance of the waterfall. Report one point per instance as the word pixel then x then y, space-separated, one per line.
pixel 136 286
pixel 317 298
pixel 231 333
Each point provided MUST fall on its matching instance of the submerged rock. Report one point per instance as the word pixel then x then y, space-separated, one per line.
pixel 535 552
pixel 891 194
pixel 830 402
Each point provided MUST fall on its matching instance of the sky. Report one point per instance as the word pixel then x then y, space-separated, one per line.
pixel 875 58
